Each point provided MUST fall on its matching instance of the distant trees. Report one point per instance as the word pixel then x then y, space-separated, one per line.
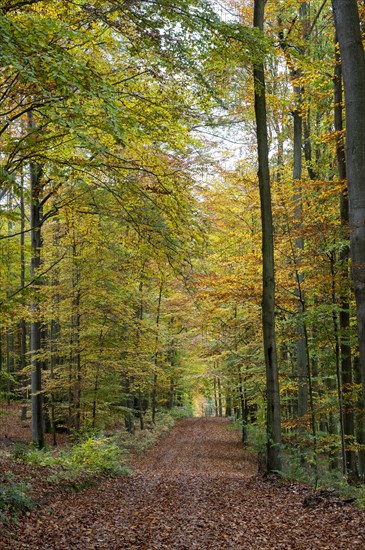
pixel 97 107
pixel 131 260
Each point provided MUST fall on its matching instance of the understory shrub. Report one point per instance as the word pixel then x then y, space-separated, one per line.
pixel 92 456
pixel 14 498
pixel 307 467
pixel 95 456
pixel 178 413
pixel 142 440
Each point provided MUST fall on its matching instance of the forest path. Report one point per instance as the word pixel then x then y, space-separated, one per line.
pixel 195 490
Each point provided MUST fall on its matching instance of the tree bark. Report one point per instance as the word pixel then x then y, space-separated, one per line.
pixel 338 369
pixel 220 404
pixel 35 174
pixel 344 302
pixel 23 324
pixel 215 396
pixel 156 358
pixel 353 67
pixel 268 298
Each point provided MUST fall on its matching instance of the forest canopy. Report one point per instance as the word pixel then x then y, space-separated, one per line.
pixel 175 222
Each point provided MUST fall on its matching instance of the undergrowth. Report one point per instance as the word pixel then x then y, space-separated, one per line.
pixel 142 440
pixel 14 498
pixel 91 457
pixel 304 466
pixel 95 454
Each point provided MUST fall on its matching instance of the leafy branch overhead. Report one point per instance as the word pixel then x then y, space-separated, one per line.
pixel 175 222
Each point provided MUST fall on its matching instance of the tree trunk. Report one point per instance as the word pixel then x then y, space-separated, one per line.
pixel 300 344
pixel 35 173
pixel 268 298
pixel 353 67
pixel 344 302
pixel 215 396
pixel 156 359
pixel 10 352
pixel 338 369
pixel 23 324
pixel 302 354
pixel 171 399
pixel 54 336
pixel 128 402
pixel 140 409
pixel 220 406
pixel 228 403
pixel 360 423
pixel 243 404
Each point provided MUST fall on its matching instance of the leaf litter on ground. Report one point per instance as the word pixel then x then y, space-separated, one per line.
pixel 198 488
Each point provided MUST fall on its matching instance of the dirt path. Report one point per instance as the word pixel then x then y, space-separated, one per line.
pixel 197 489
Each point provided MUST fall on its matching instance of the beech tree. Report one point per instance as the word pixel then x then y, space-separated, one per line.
pixel 268 296
pixel 353 67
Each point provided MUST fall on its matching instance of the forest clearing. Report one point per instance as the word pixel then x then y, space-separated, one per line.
pixel 182 240
pixel 198 488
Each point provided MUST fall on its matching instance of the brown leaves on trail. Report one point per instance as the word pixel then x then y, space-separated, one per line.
pixel 197 489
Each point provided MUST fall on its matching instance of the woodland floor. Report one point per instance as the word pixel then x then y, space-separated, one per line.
pixel 197 489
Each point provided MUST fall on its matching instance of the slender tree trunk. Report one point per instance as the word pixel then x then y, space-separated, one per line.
pixel 241 385
pixel 95 393
pixel 10 351
pixel 333 430
pixel 97 375
pixel 301 352
pixel 78 377
pixel 35 173
pixel 243 404
pixel 298 126
pixel 129 404
pixel 54 336
pixel 24 377
pixel 23 324
pixel 171 355
pixel 76 394
pixel 353 67
pixel 360 422
pixel 220 406
pixel 75 357
pixel 300 346
pixel 338 370
pixel 308 147
pixel 268 299
pixel 215 396
pixel 54 339
pixel 140 409
pixel 139 315
pixel 171 400
pixel 228 411
pixel 344 302
pixel 156 359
